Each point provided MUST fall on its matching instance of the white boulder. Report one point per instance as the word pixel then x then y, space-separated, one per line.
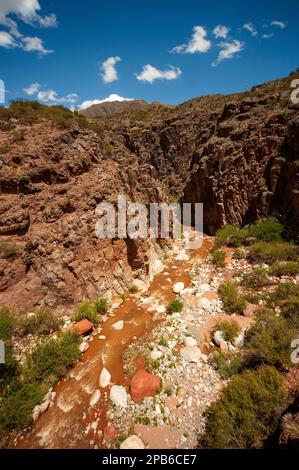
pixel 188 341
pixel 239 340
pixel 105 378
pixel 191 354
pixel 156 355
pixel 178 287
pixel 95 398
pixel 218 338
pixel 132 442
pixel 118 325
pixel 83 347
pixel 119 396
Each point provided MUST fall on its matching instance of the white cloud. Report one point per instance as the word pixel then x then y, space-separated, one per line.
pixel 228 50
pixel 112 97
pixel 32 89
pixel 34 44
pixel 109 74
pixel 221 31
pixel 251 28
pixel 52 96
pixel 267 36
pixel 279 24
pixel 27 11
pixel 6 40
pixel 150 74
pixel 197 43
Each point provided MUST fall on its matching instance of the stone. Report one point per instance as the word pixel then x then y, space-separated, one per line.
pixel 95 398
pixel 44 406
pixel 224 347
pixel 178 287
pixel 188 341
pixel 83 347
pixel 155 355
pixel 249 310
pixel 191 353
pixel 119 396
pixel 161 309
pixel 105 378
pixel 110 432
pixel 118 325
pixel 82 327
pixel 239 340
pixel 132 442
pixel 218 337
pixel 102 337
pixel 36 413
pixel 143 384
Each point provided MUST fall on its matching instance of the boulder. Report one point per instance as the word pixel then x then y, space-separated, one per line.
pixel 82 327
pixel 132 442
pixel 178 287
pixel 239 340
pixel 191 353
pixel 218 337
pixel 156 355
pixel 118 325
pixel 224 347
pixel 105 378
pixel 83 347
pixel 188 341
pixel 110 432
pixel 143 384
pixel 95 398
pixel 119 396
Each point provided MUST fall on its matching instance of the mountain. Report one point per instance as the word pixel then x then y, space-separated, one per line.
pixel 115 107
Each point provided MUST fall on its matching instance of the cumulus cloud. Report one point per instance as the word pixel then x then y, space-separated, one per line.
pixel 251 28
pixel 279 24
pixel 150 74
pixel 228 50
pixel 6 40
pixel 221 31
pixel 49 96
pixel 197 43
pixel 34 44
pixel 32 89
pixel 26 11
pixel 109 74
pixel 112 97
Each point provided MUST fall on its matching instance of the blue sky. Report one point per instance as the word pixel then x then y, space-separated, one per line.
pixel 167 51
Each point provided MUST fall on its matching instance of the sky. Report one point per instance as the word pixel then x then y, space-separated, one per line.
pixel 76 53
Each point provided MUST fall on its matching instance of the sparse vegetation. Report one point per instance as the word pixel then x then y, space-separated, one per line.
pixel 44 322
pixel 285 268
pixel 232 300
pixel 8 250
pixel 175 306
pixel 5 149
pixel 133 289
pixel 268 230
pixel 6 324
pixel 268 252
pixel 227 364
pixel 229 328
pixel 87 310
pixel 256 279
pixel 101 305
pixel 231 236
pixel 218 258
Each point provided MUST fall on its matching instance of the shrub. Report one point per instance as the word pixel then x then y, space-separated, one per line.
pixel 44 322
pixel 283 291
pixel 267 230
pixel 51 358
pixel 6 324
pixel 248 411
pixel 175 306
pixel 286 268
pixel 232 300
pixel 231 236
pixel 227 364
pixel 8 250
pixel 17 405
pixel 290 311
pixel 9 369
pixel 4 149
pixel 133 289
pixel 101 305
pixel 86 310
pixel 257 278
pixel 269 252
pixel 218 258
pixel 229 328
pixel 269 339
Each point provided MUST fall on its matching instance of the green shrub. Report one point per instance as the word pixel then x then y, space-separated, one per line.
pixel 269 339
pixel 175 306
pixel 267 230
pixel 227 364
pixel 286 268
pixel 248 411
pixel 5 149
pixel 231 236
pixel 101 306
pixel 86 310
pixel 9 369
pixel 17 405
pixel 218 258
pixel 44 322
pixel 8 250
pixel 133 289
pixel 6 324
pixel 51 358
pixel 232 300
pixel 257 278
pixel 283 291
pixel 290 311
pixel 269 252
pixel 229 328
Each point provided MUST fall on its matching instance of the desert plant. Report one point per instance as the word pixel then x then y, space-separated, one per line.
pixel 248 410
pixel 230 329
pixel 218 258
pixel 44 322
pixel 133 289
pixel 6 324
pixel 175 306
pixel 230 235
pixel 5 149
pixel 86 310
pixel 255 279
pixel 101 305
pixel 232 300
pixel 267 230
pixel 268 252
pixel 285 268
pixel 8 250
pixel 227 364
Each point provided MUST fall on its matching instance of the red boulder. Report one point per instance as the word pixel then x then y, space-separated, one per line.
pixel 143 384
pixel 82 327
pixel 110 432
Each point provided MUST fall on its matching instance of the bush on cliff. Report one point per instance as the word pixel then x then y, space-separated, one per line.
pixel 248 411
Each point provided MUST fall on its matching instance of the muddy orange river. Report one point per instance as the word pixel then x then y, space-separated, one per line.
pixel 71 422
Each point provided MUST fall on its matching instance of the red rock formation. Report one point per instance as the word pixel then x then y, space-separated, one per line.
pixel 143 384
pixel 82 327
